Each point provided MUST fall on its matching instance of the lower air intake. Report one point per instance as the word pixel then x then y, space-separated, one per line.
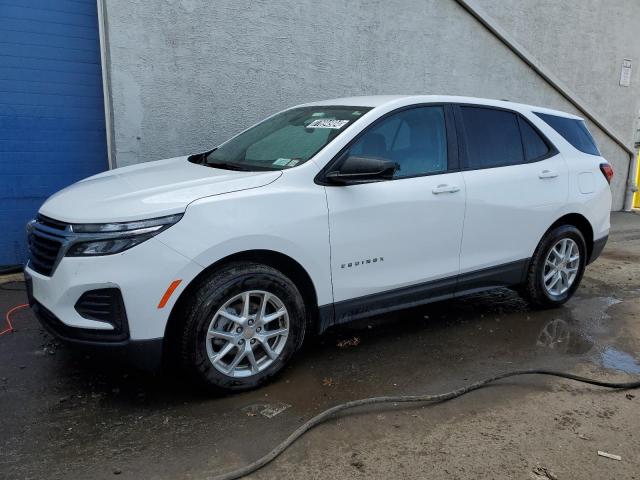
pixel 104 305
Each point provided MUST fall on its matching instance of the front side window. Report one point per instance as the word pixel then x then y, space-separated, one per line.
pixel 416 139
pixel 573 131
pixel 285 140
pixel 493 137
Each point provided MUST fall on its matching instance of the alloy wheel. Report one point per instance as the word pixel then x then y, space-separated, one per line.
pixel 248 333
pixel 561 267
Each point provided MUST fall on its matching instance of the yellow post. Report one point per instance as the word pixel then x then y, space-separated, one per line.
pixel 636 196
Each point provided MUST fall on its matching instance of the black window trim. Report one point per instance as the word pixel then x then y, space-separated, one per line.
pixel 464 159
pixel 453 145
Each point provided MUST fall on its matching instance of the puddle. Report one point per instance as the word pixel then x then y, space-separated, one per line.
pixel 560 336
pixel 591 313
pixel 589 330
pixel 614 359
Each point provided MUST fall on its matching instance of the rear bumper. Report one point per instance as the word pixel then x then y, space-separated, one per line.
pixel 143 354
pixel 598 246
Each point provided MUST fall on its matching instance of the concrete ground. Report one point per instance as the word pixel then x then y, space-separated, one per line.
pixel 66 415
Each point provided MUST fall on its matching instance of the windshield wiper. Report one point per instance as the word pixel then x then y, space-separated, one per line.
pixel 228 166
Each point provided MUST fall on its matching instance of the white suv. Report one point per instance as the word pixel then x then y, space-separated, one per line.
pixel 323 213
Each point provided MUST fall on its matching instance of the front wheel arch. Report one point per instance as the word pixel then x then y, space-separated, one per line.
pixel 281 262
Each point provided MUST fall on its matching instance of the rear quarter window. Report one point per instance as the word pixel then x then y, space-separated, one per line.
pixel 573 131
pixel 535 147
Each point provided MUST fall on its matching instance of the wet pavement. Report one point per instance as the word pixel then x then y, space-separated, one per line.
pixel 64 414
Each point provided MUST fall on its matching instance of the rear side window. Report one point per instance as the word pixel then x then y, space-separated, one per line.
pixel 534 145
pixel 573 131
pixel 493 137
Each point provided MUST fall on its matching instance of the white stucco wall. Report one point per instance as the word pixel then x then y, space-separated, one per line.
pixel 187 74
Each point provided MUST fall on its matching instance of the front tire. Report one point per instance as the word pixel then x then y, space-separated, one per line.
pixel 242 325
pixel 556 268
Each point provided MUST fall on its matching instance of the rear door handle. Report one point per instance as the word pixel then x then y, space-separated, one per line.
pixel 547 174
pixel 444 188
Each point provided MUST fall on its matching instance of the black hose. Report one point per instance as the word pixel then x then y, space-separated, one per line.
pixel 261 462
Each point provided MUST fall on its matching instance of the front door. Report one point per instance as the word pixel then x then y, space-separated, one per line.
pixel 394 242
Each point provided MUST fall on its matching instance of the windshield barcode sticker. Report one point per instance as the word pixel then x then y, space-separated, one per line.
pixel 333 124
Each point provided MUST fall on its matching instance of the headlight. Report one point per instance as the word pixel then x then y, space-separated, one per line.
pixel 109 238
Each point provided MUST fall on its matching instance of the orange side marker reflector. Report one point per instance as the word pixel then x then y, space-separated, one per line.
pixel 168 293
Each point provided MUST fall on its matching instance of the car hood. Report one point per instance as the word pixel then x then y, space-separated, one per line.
pixel 146 190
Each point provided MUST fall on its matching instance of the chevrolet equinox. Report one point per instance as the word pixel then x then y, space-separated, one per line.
pixel 321 214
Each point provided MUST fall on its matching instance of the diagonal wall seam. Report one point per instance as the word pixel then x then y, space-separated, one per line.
pixel 550 78
pixel 475 11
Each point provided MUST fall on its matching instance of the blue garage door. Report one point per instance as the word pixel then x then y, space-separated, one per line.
pixel 52 129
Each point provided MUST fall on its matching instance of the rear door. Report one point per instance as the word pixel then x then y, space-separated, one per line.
pixel 400 236
pixel 516 184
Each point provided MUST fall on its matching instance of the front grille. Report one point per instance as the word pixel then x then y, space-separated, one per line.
pixel 51 223
pixel 46 237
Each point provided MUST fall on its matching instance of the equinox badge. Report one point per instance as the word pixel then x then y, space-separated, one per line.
pixel 362 262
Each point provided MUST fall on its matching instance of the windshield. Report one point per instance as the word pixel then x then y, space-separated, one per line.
pixel 285 140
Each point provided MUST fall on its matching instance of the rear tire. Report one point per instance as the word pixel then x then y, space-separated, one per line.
pixel 556 268
pixel 242 324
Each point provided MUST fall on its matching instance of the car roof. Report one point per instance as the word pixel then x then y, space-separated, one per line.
pixel 376 101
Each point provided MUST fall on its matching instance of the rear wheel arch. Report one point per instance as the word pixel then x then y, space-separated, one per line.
pixel 576 220
pixel 554 262
pixel 279 261
pixel 581 223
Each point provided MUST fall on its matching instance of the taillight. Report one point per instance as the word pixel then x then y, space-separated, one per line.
pixel 607 171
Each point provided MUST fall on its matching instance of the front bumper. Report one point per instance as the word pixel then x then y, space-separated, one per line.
pixel 144 354
pixel 141 275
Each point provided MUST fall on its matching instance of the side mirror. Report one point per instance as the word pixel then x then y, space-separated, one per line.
pixel 356 170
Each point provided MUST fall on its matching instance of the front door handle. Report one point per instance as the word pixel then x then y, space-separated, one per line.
pixel 547 174
pixel 444 188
